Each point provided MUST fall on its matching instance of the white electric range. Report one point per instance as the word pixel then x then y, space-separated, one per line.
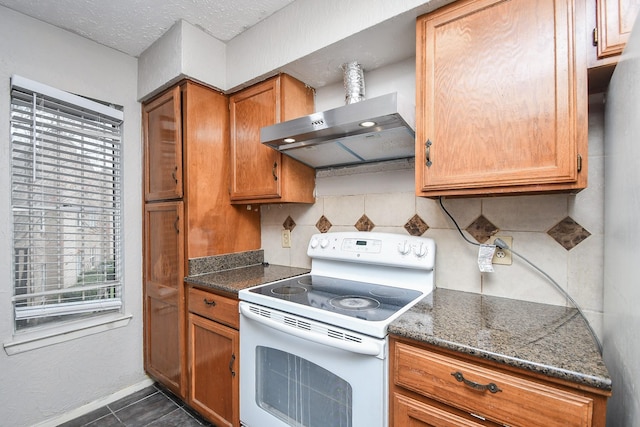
pixel 313 348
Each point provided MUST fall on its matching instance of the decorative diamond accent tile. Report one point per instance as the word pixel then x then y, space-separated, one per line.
pixel 364 224
pixel 289 224
pixel 481 229
pixel 416 226
pixel 323 224
pixel 568 233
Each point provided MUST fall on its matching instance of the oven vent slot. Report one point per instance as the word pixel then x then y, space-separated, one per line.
pixel 295 323
pixel 260 312
pixel 342 336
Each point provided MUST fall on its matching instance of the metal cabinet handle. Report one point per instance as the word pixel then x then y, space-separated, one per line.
pixel 174 174
pixel 427 153
pixel 492 387
pixel 233 359
pixel 210 303
pixel 273 171
pixel 175 225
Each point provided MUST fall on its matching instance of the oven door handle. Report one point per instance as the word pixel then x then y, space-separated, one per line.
pixel 366 347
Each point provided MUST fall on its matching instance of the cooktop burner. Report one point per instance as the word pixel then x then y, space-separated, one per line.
pixel 361 300
pixel 288 290
pixel 351 302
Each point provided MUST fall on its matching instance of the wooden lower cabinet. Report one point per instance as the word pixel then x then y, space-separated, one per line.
pixel 213 357
pixel 433 388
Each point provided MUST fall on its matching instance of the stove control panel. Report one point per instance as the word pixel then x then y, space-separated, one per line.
pixel 374 248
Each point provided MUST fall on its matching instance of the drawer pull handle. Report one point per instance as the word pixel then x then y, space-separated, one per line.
pixel 481 387
pixel 211 303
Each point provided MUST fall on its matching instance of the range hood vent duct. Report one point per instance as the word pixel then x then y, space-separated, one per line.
pixel 353 78
pixel 362 131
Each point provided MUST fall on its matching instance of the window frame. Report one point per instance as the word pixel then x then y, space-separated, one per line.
pixel 98 315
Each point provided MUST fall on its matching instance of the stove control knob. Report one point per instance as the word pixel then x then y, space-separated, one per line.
pixel 421 250
pixel 313 243
pixel 324 243
pixel 404 248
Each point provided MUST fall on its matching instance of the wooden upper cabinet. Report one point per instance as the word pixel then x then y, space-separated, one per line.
pixel 162 132
pixel 615 19
pixel 501 99
pixel 260 174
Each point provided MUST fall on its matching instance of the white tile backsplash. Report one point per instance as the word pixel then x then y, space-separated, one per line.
pixel 344 210
pixel 525 213
pixel 390 209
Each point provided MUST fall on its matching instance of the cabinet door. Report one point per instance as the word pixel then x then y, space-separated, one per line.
pixel 164 295
pixel 615 21
pixel 255 168
pixel 500 102
pixel 409 412
pixel 162 128
pixel 213 363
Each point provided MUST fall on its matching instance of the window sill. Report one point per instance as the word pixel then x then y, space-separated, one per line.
pixel 34 340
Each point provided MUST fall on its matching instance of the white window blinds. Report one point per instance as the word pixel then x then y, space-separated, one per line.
pixel 66 202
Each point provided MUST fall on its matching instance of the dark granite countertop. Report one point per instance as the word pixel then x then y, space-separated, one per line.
pixel 235 279
pixel 551 340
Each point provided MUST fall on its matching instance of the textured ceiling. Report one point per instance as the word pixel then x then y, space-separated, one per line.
pixel 131 26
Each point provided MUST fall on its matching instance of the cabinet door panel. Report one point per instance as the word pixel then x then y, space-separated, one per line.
pixel 164 244
pixel 255 168
pixel 615 21
pixel 162 127
pixel 213 362
pixel 497 97
pixel 164 294
pixel 162 337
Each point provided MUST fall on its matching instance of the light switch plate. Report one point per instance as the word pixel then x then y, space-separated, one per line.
pixel 286 238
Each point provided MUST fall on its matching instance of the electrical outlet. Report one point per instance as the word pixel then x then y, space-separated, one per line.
pixel 501 256
pixel 286 238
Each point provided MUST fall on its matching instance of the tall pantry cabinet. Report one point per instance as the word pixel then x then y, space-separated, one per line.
pixel 187 214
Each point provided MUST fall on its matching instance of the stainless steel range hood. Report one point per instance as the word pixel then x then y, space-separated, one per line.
pixel 338 137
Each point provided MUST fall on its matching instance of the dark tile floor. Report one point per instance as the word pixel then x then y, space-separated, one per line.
pixel 153 406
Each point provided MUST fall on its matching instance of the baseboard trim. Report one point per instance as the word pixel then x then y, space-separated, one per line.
pixel 96 404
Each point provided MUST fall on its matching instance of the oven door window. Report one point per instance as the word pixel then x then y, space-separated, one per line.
pixel 299 392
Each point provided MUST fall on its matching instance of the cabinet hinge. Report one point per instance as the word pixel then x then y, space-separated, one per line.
pixel 579 163
pixel 595 36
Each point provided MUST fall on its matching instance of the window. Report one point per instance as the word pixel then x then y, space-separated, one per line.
pixel 66 203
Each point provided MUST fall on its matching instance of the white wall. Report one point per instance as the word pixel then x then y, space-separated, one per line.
pixel 388 199
pixel 43 383
pixel 622 237
pixel 184 50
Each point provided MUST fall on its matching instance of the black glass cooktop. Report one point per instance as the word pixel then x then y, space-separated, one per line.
pixel 361 300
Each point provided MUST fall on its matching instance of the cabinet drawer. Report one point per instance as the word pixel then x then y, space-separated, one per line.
pixel 492 394
pixel 214 307
pixel 411 412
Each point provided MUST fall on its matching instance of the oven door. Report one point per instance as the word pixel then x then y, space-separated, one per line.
pixel 298 372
